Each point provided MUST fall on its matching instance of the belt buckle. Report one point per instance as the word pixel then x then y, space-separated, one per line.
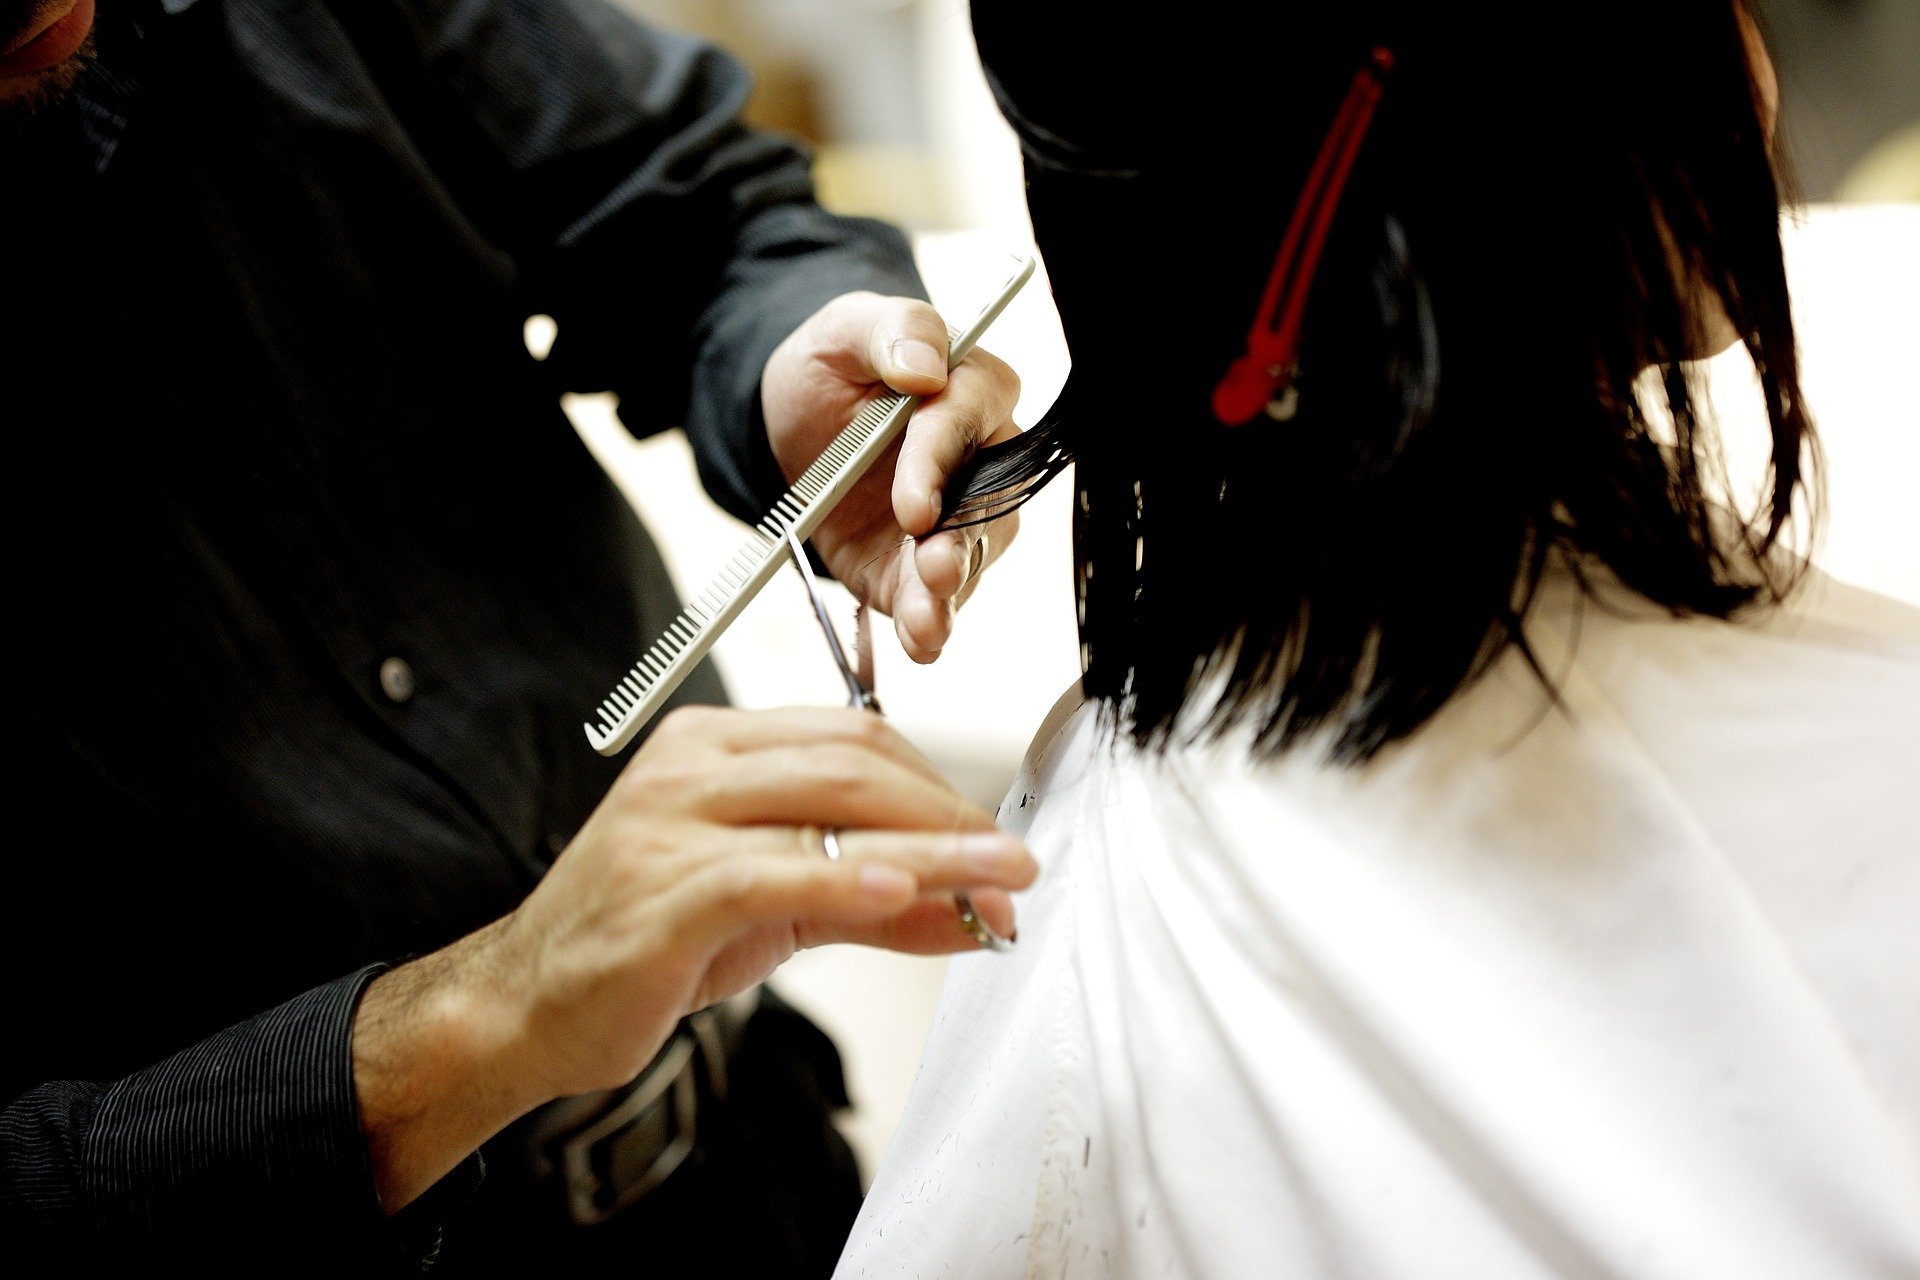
pixel 586 1157
pixel 608 1150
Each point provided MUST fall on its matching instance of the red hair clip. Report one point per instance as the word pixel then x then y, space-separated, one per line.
pixel 1259 378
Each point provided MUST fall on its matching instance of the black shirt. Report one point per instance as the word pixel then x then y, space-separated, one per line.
pixel 315 582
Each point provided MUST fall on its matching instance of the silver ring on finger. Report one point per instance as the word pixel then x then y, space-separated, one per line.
pixel 830 843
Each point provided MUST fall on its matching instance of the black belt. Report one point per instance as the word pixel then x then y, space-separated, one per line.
pixel 609 1149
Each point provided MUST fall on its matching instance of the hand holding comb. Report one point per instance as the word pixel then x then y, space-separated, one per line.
pixel 687 639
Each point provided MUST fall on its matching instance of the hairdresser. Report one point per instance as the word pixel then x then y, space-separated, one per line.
pixel 316 894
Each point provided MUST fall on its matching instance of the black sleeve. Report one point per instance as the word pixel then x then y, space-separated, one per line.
pixel 249 1140
pixel 673 246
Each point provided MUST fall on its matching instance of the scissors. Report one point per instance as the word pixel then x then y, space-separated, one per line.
pixel 860 695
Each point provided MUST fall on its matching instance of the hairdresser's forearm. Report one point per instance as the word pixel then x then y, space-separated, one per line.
pixel 438 1065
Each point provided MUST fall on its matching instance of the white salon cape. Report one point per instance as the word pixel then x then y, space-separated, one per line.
pixel 1627 988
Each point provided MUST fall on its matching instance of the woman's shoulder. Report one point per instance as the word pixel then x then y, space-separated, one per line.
pixel 1626 729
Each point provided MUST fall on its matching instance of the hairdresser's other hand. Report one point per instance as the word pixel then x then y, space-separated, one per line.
pixel 854 349
pixel 702 870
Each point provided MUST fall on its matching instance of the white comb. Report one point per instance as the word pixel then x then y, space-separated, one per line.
pixel 687 639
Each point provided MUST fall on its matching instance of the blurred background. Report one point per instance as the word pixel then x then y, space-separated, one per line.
pixel 887 95
pixel 884 92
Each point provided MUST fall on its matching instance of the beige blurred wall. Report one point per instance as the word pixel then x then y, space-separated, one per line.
pixel 887 95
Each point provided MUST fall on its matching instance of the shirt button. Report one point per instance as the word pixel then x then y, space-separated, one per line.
pixel 396 680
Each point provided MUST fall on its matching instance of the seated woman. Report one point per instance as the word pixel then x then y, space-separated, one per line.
pixel 1474 849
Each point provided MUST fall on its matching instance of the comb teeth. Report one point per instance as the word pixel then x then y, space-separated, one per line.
pixel 638 695
pixel 687 638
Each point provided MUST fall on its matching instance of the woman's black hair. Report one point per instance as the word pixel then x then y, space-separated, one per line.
pixel 1516 269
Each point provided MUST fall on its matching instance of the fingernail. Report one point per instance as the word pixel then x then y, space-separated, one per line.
pixel 914 356
pixel 933 509
pixel 962 562
pixel 992 854
pixel 880 881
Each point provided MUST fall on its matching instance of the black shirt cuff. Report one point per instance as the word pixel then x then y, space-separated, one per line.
pixel 251 1140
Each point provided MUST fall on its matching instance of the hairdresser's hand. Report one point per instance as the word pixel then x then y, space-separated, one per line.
pixel 858 347
pixel 700 872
